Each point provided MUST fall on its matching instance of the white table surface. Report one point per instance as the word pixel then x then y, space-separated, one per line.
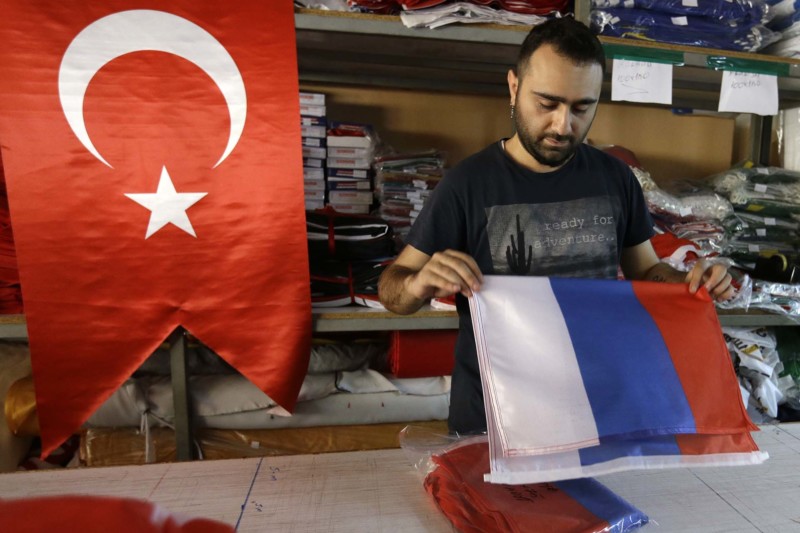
pixel 379 491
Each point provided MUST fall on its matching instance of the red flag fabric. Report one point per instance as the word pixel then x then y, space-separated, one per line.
pixel 154 170
pixel 99 513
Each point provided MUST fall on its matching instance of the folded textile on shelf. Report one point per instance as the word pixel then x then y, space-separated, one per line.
pixel 422 353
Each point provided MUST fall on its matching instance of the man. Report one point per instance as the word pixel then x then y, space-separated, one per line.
pixel 541 203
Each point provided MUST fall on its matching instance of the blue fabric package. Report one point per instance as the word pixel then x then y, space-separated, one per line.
pixel 687 30
pixel 733 11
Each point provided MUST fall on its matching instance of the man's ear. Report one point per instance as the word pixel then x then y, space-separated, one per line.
pixel 513 83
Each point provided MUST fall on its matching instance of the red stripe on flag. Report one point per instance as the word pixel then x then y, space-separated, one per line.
pixel 692 334
pixel 707 444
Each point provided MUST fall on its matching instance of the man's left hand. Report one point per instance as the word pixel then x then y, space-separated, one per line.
pixel 713 276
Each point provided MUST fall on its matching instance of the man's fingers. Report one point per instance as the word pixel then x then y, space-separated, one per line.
pixel 727 294
pixel 457 267
pixel 695 276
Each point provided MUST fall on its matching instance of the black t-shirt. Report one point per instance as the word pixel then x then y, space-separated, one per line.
pixel 572 222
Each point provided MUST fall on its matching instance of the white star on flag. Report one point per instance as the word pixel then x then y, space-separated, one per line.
pixel 167 206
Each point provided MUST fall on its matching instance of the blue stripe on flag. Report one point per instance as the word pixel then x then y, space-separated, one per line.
pixel 610 449
pixel 604 504
pixel 627 371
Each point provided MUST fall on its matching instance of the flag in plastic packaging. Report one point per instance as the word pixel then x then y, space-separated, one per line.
pixel 473 506
pixel 587 377
pixel 154 169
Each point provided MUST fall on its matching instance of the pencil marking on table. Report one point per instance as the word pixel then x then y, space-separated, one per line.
pixel 247 497
pixel 727 502
pixel 153 490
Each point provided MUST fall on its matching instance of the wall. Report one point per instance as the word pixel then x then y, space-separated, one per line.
pixel 669 146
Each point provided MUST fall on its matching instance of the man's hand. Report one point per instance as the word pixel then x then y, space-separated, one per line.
pixel 446 273
pixel 414 277
pixel 713 276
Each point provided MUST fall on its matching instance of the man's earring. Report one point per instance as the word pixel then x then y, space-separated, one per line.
pixel 512 111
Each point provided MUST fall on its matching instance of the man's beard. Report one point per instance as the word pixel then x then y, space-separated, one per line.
pixel 550 157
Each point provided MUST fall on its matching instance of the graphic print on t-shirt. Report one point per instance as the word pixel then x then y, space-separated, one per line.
pixel 576 238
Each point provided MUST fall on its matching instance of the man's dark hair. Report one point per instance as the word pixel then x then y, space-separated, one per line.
pixel 570 38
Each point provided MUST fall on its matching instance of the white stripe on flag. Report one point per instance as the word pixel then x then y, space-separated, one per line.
pixel 528 348
pixel 566 465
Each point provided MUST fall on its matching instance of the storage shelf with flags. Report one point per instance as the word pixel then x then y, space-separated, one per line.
pixel 612 375
pixel 403 184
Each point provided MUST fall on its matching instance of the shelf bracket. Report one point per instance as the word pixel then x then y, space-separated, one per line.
pixel 760 139
pixel 184 436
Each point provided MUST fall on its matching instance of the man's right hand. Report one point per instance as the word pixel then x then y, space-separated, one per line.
pixel 445 274
pixel 415 277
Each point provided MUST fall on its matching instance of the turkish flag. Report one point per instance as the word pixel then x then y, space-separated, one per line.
pixel 154 170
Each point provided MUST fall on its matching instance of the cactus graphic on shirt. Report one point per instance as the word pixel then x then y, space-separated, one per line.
pixel 515 254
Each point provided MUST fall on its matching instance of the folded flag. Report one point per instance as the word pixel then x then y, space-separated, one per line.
pixel 586 377
pixel 473 505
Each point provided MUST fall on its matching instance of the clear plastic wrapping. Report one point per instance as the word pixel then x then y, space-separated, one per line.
pixel 744 186
pixel 684 202
pixel 453 467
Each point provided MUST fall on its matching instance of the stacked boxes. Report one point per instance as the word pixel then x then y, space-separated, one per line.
pixel 313 126
pixel 350 151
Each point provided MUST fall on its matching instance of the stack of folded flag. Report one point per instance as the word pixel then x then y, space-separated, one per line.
pixel 472 505
pixel 403 184
pixel 613 375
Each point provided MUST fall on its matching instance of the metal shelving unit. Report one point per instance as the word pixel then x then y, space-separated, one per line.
pixel 342 319
pixel 374 50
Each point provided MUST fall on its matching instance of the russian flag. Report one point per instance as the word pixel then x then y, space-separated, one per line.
pixel 585 377
pixel 456 484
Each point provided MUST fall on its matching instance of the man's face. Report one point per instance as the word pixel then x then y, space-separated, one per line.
pixel 556 101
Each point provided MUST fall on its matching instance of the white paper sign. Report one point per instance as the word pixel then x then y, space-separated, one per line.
pixel 745 92
pixel 641 81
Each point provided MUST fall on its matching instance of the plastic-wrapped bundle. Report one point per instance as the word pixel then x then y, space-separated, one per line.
pixel 747 253
pixel 748 227
pixel 688 205
pixel 770 192
pixel 785 20
pixel 760 370
pixel 780 9
pixel 453 469
pixel 722 10
pixel 769 181
pixel 647 25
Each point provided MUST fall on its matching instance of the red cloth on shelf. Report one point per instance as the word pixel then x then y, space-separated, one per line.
pixel 422 353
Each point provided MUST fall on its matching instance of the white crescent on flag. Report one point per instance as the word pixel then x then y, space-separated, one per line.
pixel 146 30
